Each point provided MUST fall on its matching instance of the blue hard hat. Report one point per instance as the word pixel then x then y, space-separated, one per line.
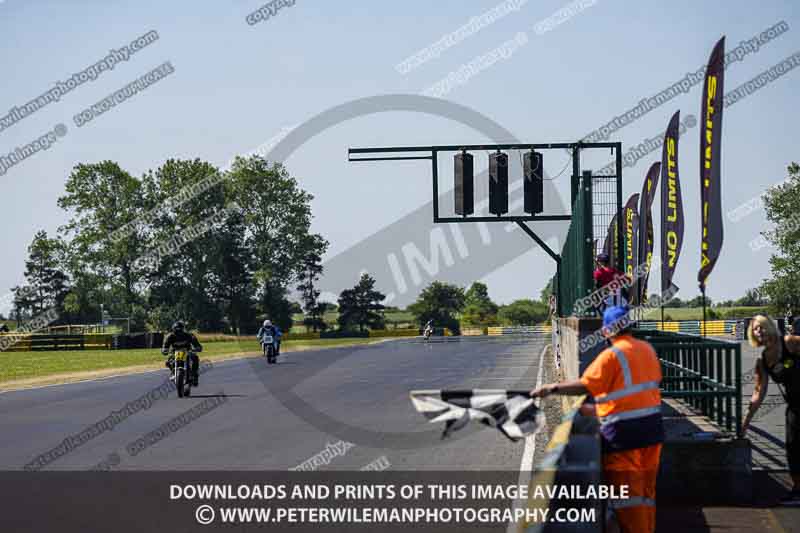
pixel 613 314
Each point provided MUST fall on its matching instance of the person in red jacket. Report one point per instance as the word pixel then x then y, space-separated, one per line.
pixel 603 276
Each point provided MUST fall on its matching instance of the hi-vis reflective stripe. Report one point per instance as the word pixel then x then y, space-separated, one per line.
pixel 629 388
pixel 616 395
pixel 623 362
pixel 627 415
pixel 633 501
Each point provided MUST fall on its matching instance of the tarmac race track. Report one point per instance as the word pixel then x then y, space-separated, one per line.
pixel 352 402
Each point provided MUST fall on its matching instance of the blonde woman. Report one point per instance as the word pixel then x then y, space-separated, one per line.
pixel 780 361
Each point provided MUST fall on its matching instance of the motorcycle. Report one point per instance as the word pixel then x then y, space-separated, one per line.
pixel 181 372
pixel 428 332
pixel 268 346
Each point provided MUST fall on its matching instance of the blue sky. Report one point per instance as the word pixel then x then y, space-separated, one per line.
pixel 237 85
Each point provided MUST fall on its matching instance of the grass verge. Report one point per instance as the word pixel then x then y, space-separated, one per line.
pixel 30 369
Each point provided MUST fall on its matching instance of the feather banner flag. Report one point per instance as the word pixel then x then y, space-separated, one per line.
pixel 671 204
pixel 630 221
pixel 710 163
pixel 645 243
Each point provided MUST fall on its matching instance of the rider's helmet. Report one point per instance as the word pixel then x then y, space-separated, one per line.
pixel 178 326
pixel 267 323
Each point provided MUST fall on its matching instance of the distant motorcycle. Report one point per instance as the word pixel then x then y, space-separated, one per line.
pixel 428 332
pixel 269 349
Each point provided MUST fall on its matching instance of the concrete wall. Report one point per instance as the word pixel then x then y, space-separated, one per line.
pixel 570 359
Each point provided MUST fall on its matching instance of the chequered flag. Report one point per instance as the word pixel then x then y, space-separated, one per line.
pixel 513 413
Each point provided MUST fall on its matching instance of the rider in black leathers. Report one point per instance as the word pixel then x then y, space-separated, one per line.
pixel 180 339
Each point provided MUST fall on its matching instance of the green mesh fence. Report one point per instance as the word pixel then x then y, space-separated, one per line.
pixel 573 280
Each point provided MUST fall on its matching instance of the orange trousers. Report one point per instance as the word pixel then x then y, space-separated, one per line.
pixel 638 469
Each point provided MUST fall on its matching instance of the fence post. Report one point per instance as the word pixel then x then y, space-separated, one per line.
pixel 588 234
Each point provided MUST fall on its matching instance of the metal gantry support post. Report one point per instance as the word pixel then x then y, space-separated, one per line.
pixel 588 218
pixel 620 234
pixel 435 174
pixel 576 173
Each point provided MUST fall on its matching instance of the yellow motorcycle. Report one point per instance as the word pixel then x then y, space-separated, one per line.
pixel 181 370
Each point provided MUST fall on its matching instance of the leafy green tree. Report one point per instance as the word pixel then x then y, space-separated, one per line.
pixel 547 291
pixel 82 304
pixel 102 198
pixel 440 302
pixel 231 280
pixel 277 218
pixel 697 301
pixel 46 283
pixel 361 306
pixel 782 204
pixel 479 309
pixel 310 270
pixel 752 298
pixel 523 312
pixel 222 260
pixel 187 241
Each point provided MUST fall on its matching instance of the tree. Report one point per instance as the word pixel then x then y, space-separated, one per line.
pixel 524 313
pixel 439 302
pixel 219 251
pixel 310 269
pixel 46 283
pixel 697 301
pixel 277 218
pixel 479 309
pixel 231 280
pixel 547 292
pixel 752 298
pixel 102 198
pixel 190 240
pixel 361 306
pixel 782 204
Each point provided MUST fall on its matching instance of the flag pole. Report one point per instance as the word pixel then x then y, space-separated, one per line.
pixel 703 292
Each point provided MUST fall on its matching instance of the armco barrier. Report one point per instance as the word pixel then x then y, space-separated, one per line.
pixel 376 333
pixel 520 330
pixel 307 336
pixel 693 327
pixel 394 333
pixel 39 342
pixel 138 341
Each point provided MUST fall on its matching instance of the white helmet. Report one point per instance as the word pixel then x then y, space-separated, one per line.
pixel 267 323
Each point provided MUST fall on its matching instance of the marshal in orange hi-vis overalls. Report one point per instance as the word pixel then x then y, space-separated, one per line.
pixel 624 380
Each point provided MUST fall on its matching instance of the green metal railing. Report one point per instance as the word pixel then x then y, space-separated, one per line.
pixel 706 374
pixel 573 280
